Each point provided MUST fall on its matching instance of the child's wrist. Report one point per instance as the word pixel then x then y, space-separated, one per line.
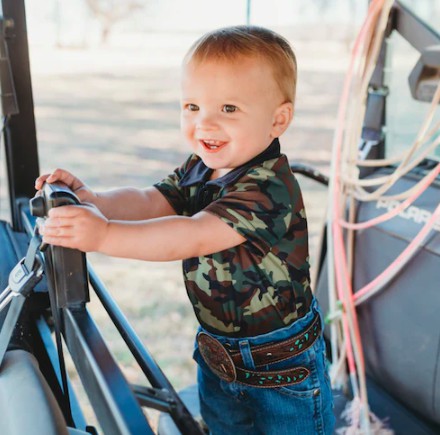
pixel 105 242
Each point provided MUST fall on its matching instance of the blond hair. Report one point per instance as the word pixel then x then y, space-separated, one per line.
pixel 231 43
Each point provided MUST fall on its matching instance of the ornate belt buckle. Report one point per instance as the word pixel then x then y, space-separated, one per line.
pixel 217 357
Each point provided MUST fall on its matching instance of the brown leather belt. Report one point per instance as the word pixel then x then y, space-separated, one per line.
pixel 228 364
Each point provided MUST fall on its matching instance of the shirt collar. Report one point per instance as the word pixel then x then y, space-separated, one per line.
pixel 200 173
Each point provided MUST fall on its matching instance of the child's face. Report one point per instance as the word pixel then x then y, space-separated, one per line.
pixel 231 112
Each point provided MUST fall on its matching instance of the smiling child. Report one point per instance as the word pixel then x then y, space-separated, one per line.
pixel 234 214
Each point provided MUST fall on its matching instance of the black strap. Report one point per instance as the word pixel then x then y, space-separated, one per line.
pixel 51 282
pixel 32 252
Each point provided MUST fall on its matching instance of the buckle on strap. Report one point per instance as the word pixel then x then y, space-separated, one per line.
pixel 216 357
pixel 220 362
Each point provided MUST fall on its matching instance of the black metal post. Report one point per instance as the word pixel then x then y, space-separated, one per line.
pixel 20 132
pixel 113 402
pixel 413 29
pixel 179 413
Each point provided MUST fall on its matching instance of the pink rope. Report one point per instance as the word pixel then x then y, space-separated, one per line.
pixel 339 250
pixel 404 254
pixel 342 278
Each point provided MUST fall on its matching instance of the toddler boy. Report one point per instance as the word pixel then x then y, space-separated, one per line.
pixel 233 213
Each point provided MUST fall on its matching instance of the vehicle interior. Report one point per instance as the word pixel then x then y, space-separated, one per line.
pixel 45 290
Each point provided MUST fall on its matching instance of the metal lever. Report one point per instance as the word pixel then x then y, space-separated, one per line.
pixel 21 282
pixel 22 279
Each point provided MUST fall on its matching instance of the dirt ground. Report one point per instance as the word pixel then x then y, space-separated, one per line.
pixel 111 116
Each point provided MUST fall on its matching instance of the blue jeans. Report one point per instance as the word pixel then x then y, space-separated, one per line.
pixel 237 409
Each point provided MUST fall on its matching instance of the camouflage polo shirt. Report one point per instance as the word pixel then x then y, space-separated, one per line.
pixel 264 283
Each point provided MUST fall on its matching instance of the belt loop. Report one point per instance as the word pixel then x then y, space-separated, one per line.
pixel 246 354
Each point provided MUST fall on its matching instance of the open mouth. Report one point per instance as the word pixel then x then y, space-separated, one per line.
pixel 212 145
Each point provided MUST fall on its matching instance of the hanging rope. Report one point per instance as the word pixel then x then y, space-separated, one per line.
pixel 345 191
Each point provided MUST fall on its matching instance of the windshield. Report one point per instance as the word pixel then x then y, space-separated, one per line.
pixel 404 115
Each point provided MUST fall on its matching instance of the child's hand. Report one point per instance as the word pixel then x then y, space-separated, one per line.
pixel 84 193
pixel 80 227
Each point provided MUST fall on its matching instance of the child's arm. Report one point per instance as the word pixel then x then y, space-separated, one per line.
pixel 133 204
pixel 124 203
pixel 159 239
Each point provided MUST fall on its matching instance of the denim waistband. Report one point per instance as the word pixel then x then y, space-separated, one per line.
pixel 278 335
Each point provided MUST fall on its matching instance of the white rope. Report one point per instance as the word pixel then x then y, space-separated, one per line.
pixel 345 184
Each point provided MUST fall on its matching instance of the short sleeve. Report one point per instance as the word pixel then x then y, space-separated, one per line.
pixel 258 207
pixel 169 187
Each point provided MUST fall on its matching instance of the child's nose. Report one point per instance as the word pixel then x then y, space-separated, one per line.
pixel 206 121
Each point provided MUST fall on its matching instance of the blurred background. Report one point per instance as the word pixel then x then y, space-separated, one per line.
pixel 106 91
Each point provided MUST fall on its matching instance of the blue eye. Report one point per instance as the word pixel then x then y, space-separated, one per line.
pixel 229 108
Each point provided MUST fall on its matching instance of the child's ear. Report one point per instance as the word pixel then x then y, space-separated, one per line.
pixel 282 117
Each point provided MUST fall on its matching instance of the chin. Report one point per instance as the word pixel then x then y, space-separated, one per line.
pixel 215 166
pixel 211 165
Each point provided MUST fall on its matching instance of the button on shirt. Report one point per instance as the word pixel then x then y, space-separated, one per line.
pixel 262 284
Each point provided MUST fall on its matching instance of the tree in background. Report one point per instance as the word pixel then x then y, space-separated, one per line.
pixel 110 12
